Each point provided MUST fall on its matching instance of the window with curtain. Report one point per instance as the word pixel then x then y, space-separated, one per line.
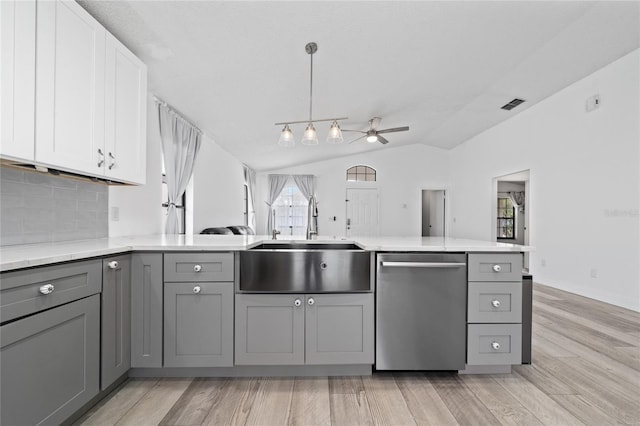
pixel 291 210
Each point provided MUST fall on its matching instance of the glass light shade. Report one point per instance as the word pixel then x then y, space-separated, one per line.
pixel 286 137
pixel 335 134
pixel 310 136
pixel 372 138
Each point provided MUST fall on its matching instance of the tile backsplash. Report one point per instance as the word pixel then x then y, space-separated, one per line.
pixel 39 207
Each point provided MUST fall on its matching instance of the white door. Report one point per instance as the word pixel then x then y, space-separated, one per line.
pixel 125 113
pixel 70 88
pixel 18 84
pixel 362 212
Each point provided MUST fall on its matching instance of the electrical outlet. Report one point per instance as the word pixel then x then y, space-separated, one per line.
pixel 543 262
pixel 594 273
pixel 115 214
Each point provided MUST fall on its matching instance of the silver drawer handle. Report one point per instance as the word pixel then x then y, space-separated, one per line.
pixel 197 289
pixel 311 301
pixel 197 268
pixel 495 346
pixel 47 289
pixel 113 264
pixel 495 303
pixel 497 268
pixel 297 302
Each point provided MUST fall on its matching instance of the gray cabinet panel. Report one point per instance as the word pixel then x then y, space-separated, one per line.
pixel 499 302
pixel 494 344
pixel 198 267
pixel 50 363
pixel 198 324
pixel 146 310
pixel 495 266
pixel 339 329
pixel 20 290
pixel 269 329
pixel 116 319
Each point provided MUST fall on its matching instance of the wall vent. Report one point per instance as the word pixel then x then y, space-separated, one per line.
pixel 512 104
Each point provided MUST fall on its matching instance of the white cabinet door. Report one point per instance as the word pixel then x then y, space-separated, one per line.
pixel 125 114
pixel 70 88
pixel 18 55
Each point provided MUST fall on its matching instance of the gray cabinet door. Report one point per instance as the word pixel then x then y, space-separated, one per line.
pixel 198 324
pixel 49 364
pixel 116 319
pixel 146 310
pixel 269 329
pixel 339 328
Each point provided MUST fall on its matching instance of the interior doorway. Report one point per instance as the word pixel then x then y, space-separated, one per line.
pixel 433 212
pixel 511 210
pixel 362 212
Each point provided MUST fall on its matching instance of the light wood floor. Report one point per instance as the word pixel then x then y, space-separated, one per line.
pixel 586 370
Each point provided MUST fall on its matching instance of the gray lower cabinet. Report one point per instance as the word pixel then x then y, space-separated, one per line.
pixel 198 324
pixel 146 310
pixel 116 319
pixel 50 363
pixel 307 329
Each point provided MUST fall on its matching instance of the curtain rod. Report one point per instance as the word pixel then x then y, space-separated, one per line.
pixel 178 113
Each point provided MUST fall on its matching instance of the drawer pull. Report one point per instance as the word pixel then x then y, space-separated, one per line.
pixel 113 264
pixel 495 346
pixel 197 289
pixel 197 268
pixel 497 268
pixel 311 301
pixel 297 302
pixel 495 303
pixel 47 289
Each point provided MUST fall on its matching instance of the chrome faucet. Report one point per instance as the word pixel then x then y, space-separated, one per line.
pixel 311 234
pixel 274 233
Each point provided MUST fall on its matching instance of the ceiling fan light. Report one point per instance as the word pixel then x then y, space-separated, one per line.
pixel 335 134
pixel 372 138
pixel 310 136
pixel 286 137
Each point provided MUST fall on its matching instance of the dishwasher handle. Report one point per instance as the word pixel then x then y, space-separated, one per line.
pixel 422 264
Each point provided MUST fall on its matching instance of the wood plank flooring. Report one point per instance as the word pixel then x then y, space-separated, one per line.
pixel 586 370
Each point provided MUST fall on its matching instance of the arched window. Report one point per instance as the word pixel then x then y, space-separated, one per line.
pixel 361 174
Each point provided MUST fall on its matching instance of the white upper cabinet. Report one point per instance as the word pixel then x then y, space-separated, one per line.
pixel 125 114
pixel 70 55
pixel 17 85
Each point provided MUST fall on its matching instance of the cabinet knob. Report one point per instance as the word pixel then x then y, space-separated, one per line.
pixel 113 264
pixel 47 289
pixel 495 346
pixel 197 289
pixel 311 301
pixel 497 268
pixel 197 268
pixel 297 302
pixel 495 303
pixel 323 265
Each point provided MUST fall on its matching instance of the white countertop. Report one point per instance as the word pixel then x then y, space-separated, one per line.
pixel 22 256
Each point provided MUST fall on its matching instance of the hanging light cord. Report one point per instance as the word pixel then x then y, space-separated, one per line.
pixel 311 88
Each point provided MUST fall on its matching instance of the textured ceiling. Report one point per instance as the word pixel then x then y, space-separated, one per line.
pixel 443 68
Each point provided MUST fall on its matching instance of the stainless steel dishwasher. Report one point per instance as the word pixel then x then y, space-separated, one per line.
pixel 421 304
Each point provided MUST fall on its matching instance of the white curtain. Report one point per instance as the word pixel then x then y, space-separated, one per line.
pixel 517 199
pixel 250 181
pixel 180 144
pixel 276 184
pixel 307 186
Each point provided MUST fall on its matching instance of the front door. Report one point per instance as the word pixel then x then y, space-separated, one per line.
pixel 362 212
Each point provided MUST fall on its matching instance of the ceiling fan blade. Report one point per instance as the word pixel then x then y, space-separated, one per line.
pixel 374 123
pixel 347 130
pixel 394 129
pixel 382 140
pixel 361 137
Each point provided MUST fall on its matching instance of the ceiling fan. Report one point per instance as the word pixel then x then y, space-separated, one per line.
pixel 373 134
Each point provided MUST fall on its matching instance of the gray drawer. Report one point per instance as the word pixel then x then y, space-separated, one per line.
pixel 499 302
pixel 482 337
pixel 20 290
pixel 495 267
pixel 198 267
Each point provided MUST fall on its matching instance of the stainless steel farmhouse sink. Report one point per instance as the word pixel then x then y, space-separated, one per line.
pixel 305 267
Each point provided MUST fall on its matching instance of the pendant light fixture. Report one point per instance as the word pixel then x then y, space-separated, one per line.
pixel 310 136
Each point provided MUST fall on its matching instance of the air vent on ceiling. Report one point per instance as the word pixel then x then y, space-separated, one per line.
pixel 512 104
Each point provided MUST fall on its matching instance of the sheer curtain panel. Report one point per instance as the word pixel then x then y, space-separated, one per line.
pixel 180 145
pixel 250 181
pixel 276 184
pixel 307 186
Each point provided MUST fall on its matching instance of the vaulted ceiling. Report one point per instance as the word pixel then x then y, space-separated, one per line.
pixel 444 68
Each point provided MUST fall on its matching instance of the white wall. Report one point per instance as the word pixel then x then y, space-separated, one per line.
pixel 584 184
pixel 140 206
pixel 401 175
pixel 218 188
